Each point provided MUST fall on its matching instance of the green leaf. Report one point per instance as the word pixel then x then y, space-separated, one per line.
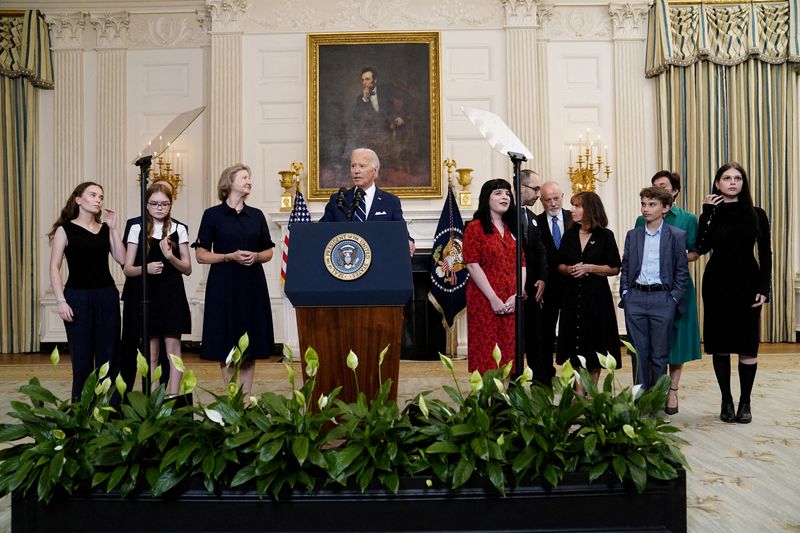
pixel 522 460
pixel 442 447
pixel 463 471
pixel 244 342
pixel 597 470
pixel 589 444
pixel 619 466
pixel 9 432
pixel 551 475
pixel 115 477
pixel 244 475
pixel 480 447
pixel 462 429
pixel 343 458
pixel 300 448
pixel 391 481
pixel 639 476
pixel 138 401
pixel 497 477
pixel 165 482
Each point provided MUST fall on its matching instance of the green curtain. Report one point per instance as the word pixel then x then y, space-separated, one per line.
pixel 25 66
pixel 726 90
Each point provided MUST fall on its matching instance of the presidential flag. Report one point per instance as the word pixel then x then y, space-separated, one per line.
pixel 299 214
pixel 449 274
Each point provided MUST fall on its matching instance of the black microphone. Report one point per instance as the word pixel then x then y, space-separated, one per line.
pixel 340 200
pixel 358 196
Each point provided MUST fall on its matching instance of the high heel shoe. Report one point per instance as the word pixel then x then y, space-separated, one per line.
pixel 672 410
pixel 743 415
pixel 726 414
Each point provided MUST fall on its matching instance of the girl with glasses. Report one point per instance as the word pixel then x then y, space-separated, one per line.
pixel 168 261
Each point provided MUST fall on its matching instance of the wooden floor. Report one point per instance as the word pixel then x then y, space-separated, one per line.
pixel 742 478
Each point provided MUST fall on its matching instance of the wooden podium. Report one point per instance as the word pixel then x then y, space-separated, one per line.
pixel 342 303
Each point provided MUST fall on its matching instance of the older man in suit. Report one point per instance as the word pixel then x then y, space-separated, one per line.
pixel 652 284
pixel 364 202
pixel 552 224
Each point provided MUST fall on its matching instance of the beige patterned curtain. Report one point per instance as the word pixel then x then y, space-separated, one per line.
pixel 25 65
pixel 727 90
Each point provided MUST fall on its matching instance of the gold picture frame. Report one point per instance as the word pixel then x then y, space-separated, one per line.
pixel 400 120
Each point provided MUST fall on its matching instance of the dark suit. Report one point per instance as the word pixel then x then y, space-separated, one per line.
pixel 132 325
pixel 649 313
pixel 552 293
pixel 536 266
pixel 385 207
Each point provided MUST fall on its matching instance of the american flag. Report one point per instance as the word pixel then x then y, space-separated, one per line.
pixel 299 214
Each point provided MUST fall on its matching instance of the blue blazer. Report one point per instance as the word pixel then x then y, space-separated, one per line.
pixel 385 207
pixel 673 267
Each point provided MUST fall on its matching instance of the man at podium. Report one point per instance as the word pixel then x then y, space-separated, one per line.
pixel 364 202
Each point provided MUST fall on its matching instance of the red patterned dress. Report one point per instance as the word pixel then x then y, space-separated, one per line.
pixel 495 255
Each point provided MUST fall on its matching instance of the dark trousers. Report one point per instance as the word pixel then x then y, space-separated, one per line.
pixel 539 360
pixel 648 319
pixel 130 343
pixel 549 318
pixel 93 334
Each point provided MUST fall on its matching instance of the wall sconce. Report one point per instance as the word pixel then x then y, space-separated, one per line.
pixel 290 179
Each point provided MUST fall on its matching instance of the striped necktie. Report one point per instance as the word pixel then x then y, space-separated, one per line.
pixel 361 213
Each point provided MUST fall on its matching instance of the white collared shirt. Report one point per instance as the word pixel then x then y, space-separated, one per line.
pixel 560 222
pixel 369 196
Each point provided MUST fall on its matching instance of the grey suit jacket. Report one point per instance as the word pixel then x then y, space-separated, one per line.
pixel 673 265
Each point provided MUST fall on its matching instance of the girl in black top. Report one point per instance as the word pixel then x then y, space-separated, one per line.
pixel 167 262
pixel 735 285
pixel 89 303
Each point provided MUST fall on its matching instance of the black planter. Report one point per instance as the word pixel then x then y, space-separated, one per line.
pixel 574 505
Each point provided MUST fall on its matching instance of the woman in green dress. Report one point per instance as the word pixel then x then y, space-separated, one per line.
pixel 685 342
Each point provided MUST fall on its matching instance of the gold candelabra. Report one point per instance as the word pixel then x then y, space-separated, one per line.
pixel 165 173
pixel 289 179
pixel 590 167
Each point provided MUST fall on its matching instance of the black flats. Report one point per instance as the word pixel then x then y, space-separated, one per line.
pixel 726 414
pixel 743 415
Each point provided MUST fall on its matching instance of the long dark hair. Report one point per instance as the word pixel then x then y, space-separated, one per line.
pixel 594 214
pixel 745 197
pixel 70 210
pixel 483 213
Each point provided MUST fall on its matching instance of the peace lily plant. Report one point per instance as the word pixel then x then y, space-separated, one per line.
pixel 509 432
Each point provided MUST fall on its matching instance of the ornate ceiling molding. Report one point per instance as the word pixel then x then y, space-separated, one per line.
pixel 170 30
pixel 629 21
pixel 226 15
pixel 579 23
pixel 372 15
pixel 111 28
pixel 520 13
pixel 67 29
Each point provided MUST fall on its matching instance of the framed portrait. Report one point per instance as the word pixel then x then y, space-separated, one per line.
pixel 378 91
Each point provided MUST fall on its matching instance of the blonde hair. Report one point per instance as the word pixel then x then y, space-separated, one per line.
pixel 226 180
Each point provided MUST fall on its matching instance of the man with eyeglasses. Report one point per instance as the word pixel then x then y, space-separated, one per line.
pixel 536 261
pixel 131 314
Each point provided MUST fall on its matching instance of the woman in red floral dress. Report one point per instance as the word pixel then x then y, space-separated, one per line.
pixel 489 253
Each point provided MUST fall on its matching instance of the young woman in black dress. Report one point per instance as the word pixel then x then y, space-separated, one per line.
pixel 234 239
pixel 89 303
pixel 167 262
pixel 735 284
pixel 587 257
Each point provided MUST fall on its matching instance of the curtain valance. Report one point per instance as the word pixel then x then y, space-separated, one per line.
pixel 25 49
pixel 725 34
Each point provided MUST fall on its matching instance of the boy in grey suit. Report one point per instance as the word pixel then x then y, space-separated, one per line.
pixel 653 279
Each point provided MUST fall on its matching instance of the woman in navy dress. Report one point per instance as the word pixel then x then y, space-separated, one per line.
pixel 234 239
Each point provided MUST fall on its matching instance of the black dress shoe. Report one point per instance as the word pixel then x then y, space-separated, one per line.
pixel 726 414
pixel 743 415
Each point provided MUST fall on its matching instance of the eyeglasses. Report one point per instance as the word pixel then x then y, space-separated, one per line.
pixel 159 205
pixel 537 189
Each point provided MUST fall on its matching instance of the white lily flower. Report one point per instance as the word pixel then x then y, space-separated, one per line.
pixel 214 416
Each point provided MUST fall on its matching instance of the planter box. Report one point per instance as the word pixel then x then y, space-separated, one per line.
pixel 574 505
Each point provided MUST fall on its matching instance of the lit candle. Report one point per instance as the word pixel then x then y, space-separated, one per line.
pixel 580 143
pixel 606 154
pixel 570 154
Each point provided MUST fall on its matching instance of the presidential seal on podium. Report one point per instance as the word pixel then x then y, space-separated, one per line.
pixel 347 256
